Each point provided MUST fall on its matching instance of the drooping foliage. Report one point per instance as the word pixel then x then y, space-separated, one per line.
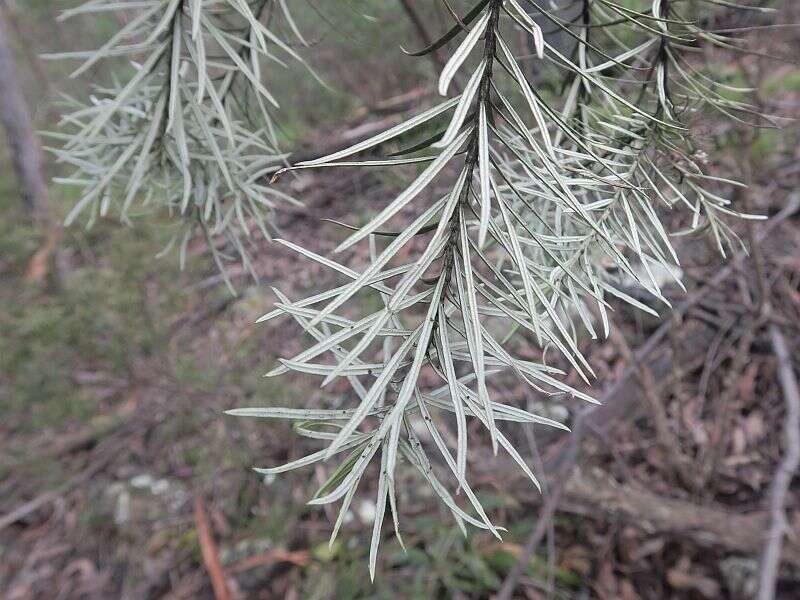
pixel 542 190
pixel 191 131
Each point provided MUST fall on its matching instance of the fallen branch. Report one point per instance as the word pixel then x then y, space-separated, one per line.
pixel 778 525
pixel 592 493
pixel 393 108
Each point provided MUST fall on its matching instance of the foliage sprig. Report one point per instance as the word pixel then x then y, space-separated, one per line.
pixel 551 208
pixel 532 209
pixel 191 131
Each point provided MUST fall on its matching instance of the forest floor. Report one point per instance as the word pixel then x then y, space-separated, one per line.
pixel 120 477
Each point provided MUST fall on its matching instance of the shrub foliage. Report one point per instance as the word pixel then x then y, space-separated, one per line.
pixel 540 191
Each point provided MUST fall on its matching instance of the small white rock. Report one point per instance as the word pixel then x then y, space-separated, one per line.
pixel 159 487
pixel 142 481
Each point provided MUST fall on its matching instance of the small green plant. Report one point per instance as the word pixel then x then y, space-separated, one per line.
pixel 530 209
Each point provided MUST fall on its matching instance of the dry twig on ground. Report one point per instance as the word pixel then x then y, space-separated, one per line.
pixel 209 551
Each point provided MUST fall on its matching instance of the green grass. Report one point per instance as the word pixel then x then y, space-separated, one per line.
pixel 783 82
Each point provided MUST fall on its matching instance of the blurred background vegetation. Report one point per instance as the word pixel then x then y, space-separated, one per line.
pixel 115 367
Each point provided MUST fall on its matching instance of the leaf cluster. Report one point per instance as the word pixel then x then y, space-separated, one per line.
pixel 191 131
pixel 550 203
pixel 533 210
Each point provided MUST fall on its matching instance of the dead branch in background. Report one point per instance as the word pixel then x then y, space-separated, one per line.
pixel 590 493
pixel 22 34
pixel 109 444
pixel 26 156
pixel 391 112
pixel 24 149
pixel 46 498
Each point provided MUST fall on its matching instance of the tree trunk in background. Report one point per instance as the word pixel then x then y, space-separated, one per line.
pixel 23 145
